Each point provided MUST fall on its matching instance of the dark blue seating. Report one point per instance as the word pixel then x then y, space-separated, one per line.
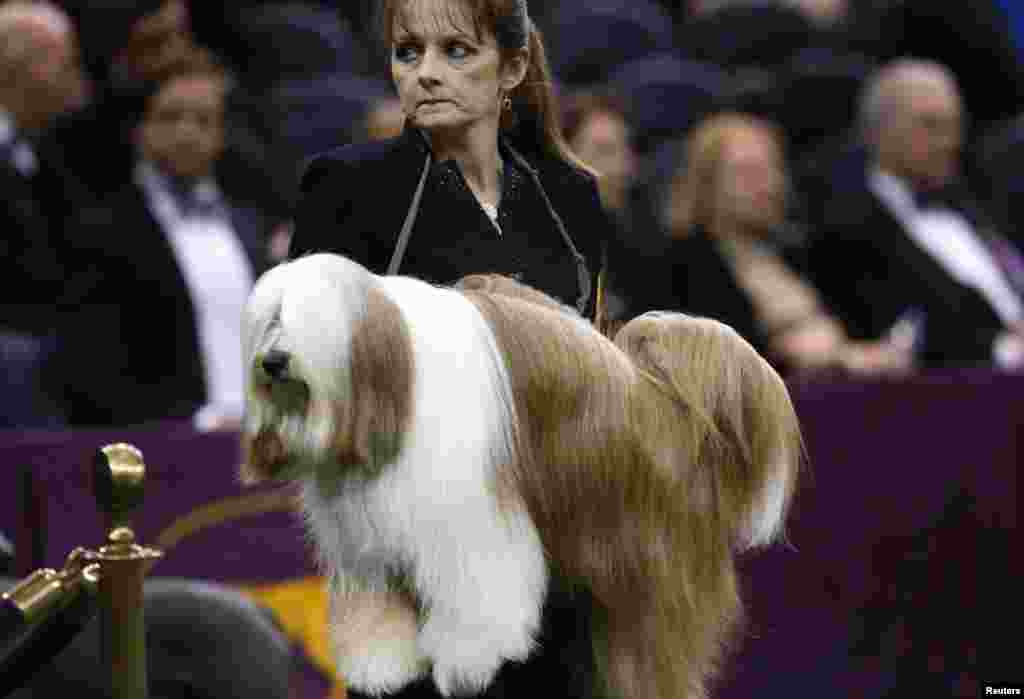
pixel 315 115
pixel 831 81
pixel 667 96
pixel 589 41
pixel 763 34
pixel 270 43
pixel 24 402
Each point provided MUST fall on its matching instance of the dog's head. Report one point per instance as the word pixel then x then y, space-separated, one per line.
pixel 329 371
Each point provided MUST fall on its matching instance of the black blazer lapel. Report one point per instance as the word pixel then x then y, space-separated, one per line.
pixel 251 227
pixel 960 324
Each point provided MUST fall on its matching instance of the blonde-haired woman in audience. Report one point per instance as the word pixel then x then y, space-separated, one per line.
pixel 726 206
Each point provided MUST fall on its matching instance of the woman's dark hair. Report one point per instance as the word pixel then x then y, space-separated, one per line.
pixel 535 113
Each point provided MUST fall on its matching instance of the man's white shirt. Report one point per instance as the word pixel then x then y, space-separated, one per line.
pixel 950 239
pixel 219 278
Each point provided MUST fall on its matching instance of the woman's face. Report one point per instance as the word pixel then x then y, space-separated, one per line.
pixel 603 143
pixel 448 78
pixel 752 181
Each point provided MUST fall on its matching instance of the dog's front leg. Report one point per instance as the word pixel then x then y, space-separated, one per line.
pixel 375 635
pixel 483 599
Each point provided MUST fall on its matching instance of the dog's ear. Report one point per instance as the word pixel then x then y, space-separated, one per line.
pixel 382 383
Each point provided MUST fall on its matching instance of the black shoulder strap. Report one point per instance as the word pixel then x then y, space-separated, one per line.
pixel 582 273
pixel 410 219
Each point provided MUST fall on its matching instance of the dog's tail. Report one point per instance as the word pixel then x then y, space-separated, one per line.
pixel 725 425
pixel 742 417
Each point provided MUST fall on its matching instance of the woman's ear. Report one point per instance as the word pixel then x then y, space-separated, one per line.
pixel 513 71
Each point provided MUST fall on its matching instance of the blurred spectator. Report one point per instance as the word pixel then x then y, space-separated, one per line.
pixel 177 257
pixel 158 43
pixel 300 90
pixel 595 127
pixel 40 77
pixel 911 240
pixel 146 39
pixel 130 45
pixel 727 255
pixel 972 39
pixel 384 119
pixel 135 43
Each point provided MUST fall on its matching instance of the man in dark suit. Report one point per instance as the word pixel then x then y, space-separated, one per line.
pixel 909 243
pixel 125 44
pixel 40 78
pixel 175 259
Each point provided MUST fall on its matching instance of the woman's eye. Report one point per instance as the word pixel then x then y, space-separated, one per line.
pixel 458 51
pixel 405 53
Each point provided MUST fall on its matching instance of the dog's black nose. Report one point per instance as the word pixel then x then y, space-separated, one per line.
pixel 274 363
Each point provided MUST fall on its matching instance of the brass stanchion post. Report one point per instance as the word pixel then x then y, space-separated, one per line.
pixel 118 481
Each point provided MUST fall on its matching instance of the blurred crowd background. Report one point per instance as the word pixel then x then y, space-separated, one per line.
pixel 835 178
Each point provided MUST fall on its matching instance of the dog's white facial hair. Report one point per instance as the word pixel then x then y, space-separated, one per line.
pixel 308 312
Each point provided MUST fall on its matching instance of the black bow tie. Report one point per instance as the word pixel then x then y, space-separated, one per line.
pixel 948 197
pixel 204 206
pixel 197 200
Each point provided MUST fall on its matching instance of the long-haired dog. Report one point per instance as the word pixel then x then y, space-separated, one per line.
pixel 459 447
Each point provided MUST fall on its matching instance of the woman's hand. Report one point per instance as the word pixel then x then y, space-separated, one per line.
pixel 811 345
pixel 821 343
pixel 876 358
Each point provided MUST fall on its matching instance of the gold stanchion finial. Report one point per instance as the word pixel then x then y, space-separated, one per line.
pixel 116 571
pixel 119 474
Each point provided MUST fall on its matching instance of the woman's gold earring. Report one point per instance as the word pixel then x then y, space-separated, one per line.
pixel 507 104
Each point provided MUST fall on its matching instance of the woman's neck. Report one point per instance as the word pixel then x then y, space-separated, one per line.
pixel 478 159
